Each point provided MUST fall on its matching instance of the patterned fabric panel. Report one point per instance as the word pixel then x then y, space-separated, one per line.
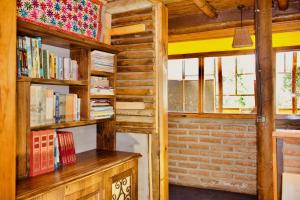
pixel 121 189
pixel 80 17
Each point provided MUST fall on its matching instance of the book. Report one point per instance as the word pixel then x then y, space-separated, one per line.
pixel 40 69
pixel 51 146
pixel 52 67
pixel 67 63
pixel 45 55
pixel 35 154
pixel 44 151
pixel 62 151
pixel 56 152
pixel 27 47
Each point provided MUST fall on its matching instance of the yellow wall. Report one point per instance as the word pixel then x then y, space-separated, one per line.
pixel 225 44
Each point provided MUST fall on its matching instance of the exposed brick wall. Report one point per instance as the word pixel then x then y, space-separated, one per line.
pixel 291 155
pixel 213 153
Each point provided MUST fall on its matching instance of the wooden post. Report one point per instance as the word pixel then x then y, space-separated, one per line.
pixel 265 100
pixel 8 99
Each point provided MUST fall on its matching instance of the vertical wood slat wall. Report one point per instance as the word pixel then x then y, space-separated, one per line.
pixel 141 86
pixel 135 83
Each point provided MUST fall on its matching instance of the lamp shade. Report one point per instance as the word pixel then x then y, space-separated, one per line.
pixel 241 38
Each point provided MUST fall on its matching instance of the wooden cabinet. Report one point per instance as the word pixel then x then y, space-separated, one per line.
pixel 99 175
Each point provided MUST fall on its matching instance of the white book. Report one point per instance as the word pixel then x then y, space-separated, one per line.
pixel 78 108
pixel 67 68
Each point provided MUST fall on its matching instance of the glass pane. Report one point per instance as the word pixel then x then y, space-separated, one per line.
pixel 246 64
pixel 209 65
pixel 209 96
pixel 191 66
pixel 175 98
pixel 228 65
pixel 175 69
pixel 284 92
pixel 229 85
pixel 280 62
pixel 237 104
pixel 289 61
pixel 245 84
pixel 191 96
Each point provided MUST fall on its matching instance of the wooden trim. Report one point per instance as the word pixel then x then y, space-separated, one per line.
pixel 213 115
pixel 274 153
pixel 220 85
pixel 8 99
pixel 201 85
pixel 212 54
pixel 294 83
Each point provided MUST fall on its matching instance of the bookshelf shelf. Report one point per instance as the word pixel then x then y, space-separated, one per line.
pixel 68 124
pixel 53 81
pixel 102 96
pixel 100 73
pixel 60 39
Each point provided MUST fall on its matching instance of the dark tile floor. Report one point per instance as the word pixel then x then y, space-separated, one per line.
pixel 189 193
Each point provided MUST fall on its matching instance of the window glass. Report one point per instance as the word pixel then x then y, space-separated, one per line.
pixel 175 93
pixel 175 69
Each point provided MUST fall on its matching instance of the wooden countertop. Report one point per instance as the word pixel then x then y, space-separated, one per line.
pixel 89 162
pixel 286 133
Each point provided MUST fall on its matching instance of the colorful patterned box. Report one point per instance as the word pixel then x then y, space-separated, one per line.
pixel 80 17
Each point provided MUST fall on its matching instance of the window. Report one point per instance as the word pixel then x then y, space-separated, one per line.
pixel 234 77
pixel 226 84
pixel 183 85
pixel 288 82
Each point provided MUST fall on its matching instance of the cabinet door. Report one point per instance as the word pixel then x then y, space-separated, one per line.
pixel 121 182
pixel 88 188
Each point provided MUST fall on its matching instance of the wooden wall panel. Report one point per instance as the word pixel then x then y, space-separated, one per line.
pixel 135 72
pixel 7 99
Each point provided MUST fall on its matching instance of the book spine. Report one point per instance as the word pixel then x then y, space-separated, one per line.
pixel 35 154
pixel 78 108
pixel 45 63
pixel 29 56
pixel 56 151
pixel 24 57
pixel 52 68
pixel 73 148
pixel 40 58
pixel 50 150
pixel 57 120
pixel 66 68
pixel 55 68
pixel 61 146
pixel 44 152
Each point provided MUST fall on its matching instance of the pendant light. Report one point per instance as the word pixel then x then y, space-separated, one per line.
pixel 242 36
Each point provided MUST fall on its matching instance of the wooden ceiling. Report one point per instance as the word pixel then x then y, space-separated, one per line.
pixel 188 7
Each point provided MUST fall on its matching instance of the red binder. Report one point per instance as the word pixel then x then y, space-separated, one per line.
pixel 35 153
pixel 50 134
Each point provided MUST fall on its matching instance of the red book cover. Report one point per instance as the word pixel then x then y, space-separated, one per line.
pixel 68 152
pixel 61 147
pixel 35 153
pixel 44 151
pixel 50 150
pixel 73 148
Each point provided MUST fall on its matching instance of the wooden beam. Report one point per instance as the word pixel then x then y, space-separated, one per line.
pixel 206 8
pixel 285 26
pixel 265 98
pixel 126 6
pixel 125 30
pixel 8 99
pixel 283 4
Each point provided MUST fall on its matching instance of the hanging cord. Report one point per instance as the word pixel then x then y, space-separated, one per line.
pixel 241 7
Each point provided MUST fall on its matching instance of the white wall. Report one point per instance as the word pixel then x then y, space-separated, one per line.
pixel 137 143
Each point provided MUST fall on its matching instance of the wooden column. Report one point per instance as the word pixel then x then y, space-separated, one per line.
pixel 265 100
pixel 8 99
pixel 160 137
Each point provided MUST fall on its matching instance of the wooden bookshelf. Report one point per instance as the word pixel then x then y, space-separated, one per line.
pixel 61 39
pixel 67 124
pixel 88 163
pixel 53 81
pixel 80 50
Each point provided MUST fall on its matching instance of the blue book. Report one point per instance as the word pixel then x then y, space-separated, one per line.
pixel 40 57
pixel 57 118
